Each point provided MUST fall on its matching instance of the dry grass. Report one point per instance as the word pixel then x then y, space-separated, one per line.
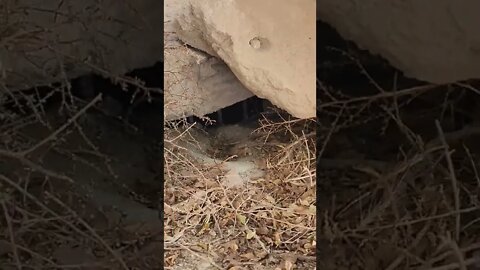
pixel 398 178
pixel 267 224
pixel 45 221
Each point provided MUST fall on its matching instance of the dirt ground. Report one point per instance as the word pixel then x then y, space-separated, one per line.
pixel 79 194
pixel 265 219
pixel 79 190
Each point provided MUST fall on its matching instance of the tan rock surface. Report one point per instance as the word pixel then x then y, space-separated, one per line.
pixel 195 83
pixel 198 84
pixel 268 44
pixel 42 41
pixel 436 41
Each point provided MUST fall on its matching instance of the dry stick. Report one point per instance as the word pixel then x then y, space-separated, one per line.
pixel 90 229
pixel 12 237
pixel 39 203
pixel 453 179
pixel 44 207
pixel 449 253
pixel 180 135
pixel 398 170
pixel 458 253
pixel 404 92
pixel 34 166
pixel 209 260
pixel 412 245
pixel 455 135
pixel 454 266
pixel 39 256
pixel 415 221
pixel 356 163
pixel 96 150
pixel 363 71
pixel 474 166
pixel 468 87
pixel 259 241
pixel 54 135
pixel 122 79
pixel 332 130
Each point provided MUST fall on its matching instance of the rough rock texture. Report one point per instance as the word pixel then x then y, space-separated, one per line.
pixel 195 83
pixel 43 40
pixel 198 84
pixel 436 41
pixel 268 44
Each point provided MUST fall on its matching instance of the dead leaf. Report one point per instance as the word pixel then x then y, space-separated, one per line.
pixel 304 202
pixel 289 265
pixel 278 239
pixel 270 199
pixel 197 248
pixel 262 230
pixel 250 234
pixel 289 262
pixel 242 219
pixel 170 260
pixel 232 245
pixel 249 256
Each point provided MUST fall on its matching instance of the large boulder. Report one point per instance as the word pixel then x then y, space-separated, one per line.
pixel 269 45
pixel 436 41
pixel 196 83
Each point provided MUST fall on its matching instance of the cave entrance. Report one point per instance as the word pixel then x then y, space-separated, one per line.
pixel 244 112
pixel 134 95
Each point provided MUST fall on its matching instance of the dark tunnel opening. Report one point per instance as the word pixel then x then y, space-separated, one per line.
pixel 246 111
pixel 139 87
pixel 136 92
